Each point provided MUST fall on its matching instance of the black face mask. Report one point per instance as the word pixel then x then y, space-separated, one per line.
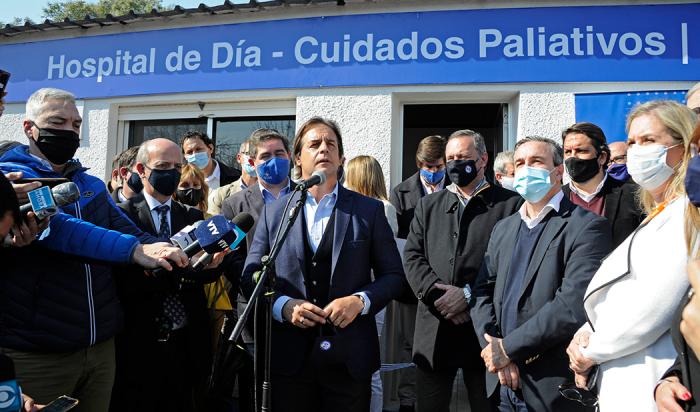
pixel 582 170
pixel 462 172
pixel 190 197
pixel 58 145
pixel 164 181
pixel 134 182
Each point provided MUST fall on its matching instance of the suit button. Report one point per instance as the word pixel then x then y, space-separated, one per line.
pixel 452 261
pixel 313 264
pixel 454 235
pixel 419 295
pixel 313 282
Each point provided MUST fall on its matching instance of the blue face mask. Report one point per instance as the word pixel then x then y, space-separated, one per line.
pixel 247 167
pixel 532 183
pixel 274 170
pixel 432 178
pixel 618 171
pixel 692 181
pixel 199 159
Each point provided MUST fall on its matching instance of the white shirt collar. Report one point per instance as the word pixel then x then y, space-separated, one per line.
pixel 428 190
pixel 553 204
pixel 153 202
pixel 215 175
pixel 586 197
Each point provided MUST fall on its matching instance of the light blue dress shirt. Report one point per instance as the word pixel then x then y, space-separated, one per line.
pixel 269 197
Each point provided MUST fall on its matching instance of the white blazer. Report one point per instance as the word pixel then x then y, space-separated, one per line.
pixel 632 316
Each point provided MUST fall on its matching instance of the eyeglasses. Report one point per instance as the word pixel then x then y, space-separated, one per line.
pixel 619 159
pixel 587 396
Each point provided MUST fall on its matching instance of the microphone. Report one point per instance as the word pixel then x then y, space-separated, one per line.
pixel 10 392
pixel 317 178
pixel 44 202
pixel 186 236
pixel 241 225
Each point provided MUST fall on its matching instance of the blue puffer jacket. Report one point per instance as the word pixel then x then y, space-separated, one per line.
pixel 57 294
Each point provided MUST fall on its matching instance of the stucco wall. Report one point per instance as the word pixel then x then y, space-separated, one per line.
pixel 364 120
pixel 545 114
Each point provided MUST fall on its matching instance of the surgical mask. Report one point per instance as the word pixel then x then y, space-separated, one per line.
pixel 462 172
pixel 274 170
pixel 134 182
pixel 507 183
pixel 692 179
pixel 432 178
pixel 532 183
pixel 618 171
pixel 58 145
pixel 164 181
pixel 248 167
pixel 647 165
pixel 189 196
pixel 582 170
pixel 199 159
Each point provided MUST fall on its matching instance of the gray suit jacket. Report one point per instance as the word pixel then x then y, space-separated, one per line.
pixel 550 307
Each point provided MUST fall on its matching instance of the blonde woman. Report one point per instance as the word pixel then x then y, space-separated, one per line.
pixel 632 298
pixel 364 175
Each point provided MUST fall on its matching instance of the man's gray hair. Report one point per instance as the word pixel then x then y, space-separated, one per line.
pixel 142 156
pixel 502 159
pixel 39 97
pixel 479 141
pixel 692 91
pixel 557 151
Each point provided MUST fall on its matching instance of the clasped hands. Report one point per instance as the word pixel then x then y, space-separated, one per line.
pixel 578 363
pixel 340 312
pixel 452 305
pixel 497 361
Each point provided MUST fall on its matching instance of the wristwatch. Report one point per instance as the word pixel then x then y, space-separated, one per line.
pixel 362 299
pixel 467 293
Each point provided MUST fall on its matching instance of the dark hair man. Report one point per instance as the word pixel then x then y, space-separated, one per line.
pixel 586 157
pixel 128 180
pixel 198 149
pixel 248 178
pixel 443 254
pixel 528 294
pixel 337 269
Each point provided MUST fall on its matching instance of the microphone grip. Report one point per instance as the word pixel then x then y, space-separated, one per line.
pixel 202 262
pixel 192 249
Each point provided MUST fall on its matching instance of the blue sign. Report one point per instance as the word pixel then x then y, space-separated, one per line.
pixel 609 110
pixel 557 44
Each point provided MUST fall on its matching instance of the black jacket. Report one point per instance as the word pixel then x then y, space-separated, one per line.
pixel 443 248
pixel 227 174
pixel 404 198
pixel 621 207
pixel 550 306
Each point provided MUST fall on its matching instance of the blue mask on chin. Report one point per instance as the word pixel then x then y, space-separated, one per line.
pixel 618 171
pixel 274 170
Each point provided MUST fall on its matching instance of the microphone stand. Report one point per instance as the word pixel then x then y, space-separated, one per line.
pixel 266 280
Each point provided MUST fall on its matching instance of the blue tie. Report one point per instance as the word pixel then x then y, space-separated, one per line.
pixel 173 308
pixel 164 230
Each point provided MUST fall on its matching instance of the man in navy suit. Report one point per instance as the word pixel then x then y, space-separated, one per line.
pixel 337 269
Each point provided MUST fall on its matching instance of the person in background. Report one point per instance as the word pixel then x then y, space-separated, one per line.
pixel 114 181
pixel 504 170
pixel 248 178
pixel 692 98
pixel 586 156
pixel 617 165
pixel 680 386
pixel 129 182
pixel 199 151
pixel 364 175
pixel 192 189
pixel 631 300
pixel 443 255
pixel 430 178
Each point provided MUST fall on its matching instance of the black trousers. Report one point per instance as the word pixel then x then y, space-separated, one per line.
pixel 434 389
pixel 320 389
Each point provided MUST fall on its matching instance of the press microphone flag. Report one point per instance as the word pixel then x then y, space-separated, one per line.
pixel 242 224
pixel 217 234
pixel 10 393
pixel 44 202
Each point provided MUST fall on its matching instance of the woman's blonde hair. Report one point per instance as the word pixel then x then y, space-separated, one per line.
pixel 364 175
pixel 692 214
pixel 190 171
pixel 679 122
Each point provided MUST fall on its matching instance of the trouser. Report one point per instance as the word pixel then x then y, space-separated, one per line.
pixel 407 376
pixel 377 402
pixel 434 389
pixel 320 389
pixel 86 374
pixel 510 400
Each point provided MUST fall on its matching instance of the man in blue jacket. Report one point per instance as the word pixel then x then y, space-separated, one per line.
pixel 58 306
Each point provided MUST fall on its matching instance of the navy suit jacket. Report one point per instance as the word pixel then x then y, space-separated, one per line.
pixel 550 306
pixel 364 259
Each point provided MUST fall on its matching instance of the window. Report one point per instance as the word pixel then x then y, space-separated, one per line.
pixel 173 129
pixel 231 132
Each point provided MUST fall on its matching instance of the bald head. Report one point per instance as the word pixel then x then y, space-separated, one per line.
pixel 162 155
pixel 618 152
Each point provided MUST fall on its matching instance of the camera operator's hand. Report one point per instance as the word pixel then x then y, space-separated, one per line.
pixel 21 189
pixel 26 231
pixel 158 254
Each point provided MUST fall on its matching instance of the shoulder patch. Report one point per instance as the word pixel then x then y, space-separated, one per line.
pixel 88 193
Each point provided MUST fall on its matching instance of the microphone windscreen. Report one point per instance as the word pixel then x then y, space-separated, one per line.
pixel 321 175
pixel 66 193
pixel 215 234
pixel 244 221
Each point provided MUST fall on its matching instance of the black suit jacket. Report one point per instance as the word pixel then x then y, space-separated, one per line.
pixel 364 258
pixel 550 307
pixel 404 198
pixel 687 366
pixel 443 248
pixel 621 207
pixel 227 174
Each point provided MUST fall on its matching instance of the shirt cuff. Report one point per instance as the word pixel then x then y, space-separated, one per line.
pixel 278 306
pixel 365 310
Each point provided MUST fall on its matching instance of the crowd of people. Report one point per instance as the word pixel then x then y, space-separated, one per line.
pixel 566 282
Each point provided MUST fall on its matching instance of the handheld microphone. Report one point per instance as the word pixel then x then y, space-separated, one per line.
pixel 186 236
pixel 317 178
pixel 44 202
pixel 241 225
pixel 10 393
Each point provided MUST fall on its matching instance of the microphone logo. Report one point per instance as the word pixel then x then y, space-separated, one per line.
pixel 212 228
pixel 9 397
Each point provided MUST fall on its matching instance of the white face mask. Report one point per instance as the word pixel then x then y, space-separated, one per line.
pixel 647 165
pixel 507 183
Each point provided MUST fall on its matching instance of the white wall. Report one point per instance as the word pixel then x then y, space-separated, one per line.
pixel 545 114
